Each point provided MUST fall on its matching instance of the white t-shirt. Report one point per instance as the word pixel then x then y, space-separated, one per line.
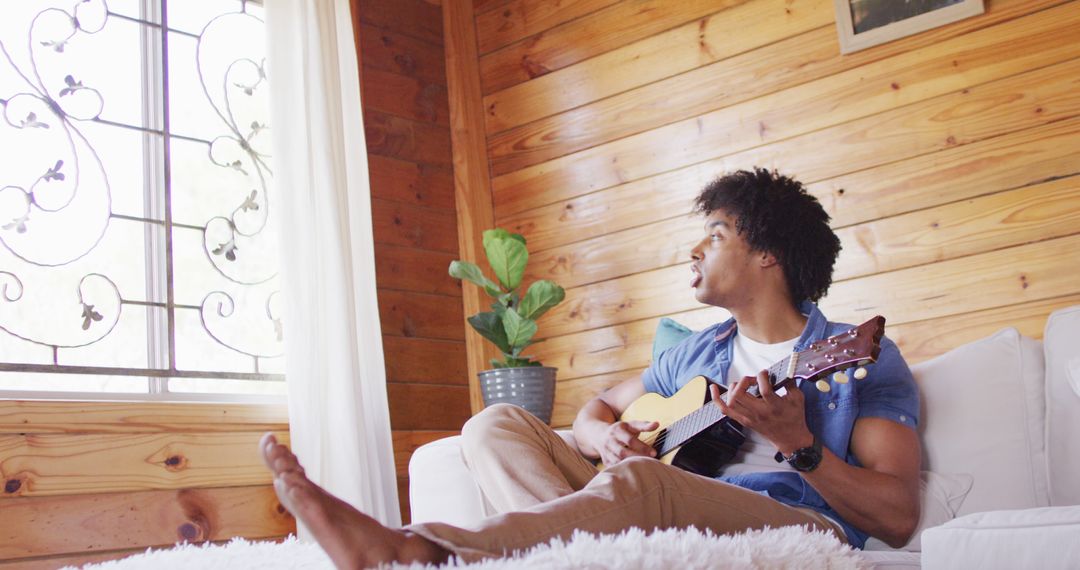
pixel 748 357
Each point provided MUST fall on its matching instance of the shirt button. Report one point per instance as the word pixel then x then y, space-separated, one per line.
pixel 832 405
pixel 903 418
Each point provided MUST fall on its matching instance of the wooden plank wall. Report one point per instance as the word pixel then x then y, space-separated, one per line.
pixel 948 161
pixel 92 481
pixel 406 121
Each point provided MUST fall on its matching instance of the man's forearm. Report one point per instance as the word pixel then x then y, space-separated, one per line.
pixel 881 497
pixel 883 505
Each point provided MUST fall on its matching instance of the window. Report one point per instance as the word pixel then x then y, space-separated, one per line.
pixel 137 251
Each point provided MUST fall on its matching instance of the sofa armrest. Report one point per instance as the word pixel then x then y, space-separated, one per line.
pixel 1041 538
pixel 441 488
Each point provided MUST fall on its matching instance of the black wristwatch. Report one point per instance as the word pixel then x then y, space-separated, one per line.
pixel 804 459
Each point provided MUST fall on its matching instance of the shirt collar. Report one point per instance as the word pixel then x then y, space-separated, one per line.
pixel 816 325
pixel 814 330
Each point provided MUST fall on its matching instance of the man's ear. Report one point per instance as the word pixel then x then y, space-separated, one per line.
pixel 766 259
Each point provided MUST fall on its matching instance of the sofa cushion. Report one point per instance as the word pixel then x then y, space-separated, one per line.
pixel 983 414
pixel 1062 348
pixel 668 334
pixel 941 495
pixel 1031 538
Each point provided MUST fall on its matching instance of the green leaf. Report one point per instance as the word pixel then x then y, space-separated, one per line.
pixel 499 233
pixel 490 326
pixel 507 256
pixel 470 272
pixel 518 330
pixel 505 302
pixel 519 349
pixel 542 295
pixel 494 234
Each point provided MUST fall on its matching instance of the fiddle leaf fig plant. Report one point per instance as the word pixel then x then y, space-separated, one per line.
pixel 511 323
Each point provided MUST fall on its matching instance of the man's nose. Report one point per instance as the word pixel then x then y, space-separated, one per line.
pixel 695 253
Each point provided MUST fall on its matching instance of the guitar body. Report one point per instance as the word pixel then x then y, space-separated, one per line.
pixel 704 453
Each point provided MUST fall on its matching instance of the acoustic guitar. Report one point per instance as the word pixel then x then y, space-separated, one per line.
pixel 701 439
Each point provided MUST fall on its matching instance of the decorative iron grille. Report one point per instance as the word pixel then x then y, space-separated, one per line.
pixel 138 245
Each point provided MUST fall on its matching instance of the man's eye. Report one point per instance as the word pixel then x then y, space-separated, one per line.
pixel 714 237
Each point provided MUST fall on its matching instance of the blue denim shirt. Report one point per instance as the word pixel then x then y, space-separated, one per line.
pixel 888 391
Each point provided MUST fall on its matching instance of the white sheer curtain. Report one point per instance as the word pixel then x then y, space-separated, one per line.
pixel 338 415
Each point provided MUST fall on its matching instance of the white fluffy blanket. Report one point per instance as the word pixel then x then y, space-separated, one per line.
pixel 788 547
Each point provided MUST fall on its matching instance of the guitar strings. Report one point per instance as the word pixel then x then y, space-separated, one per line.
pixel 658 439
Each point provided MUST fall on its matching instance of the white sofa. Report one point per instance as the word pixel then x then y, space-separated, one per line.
pixel 1001 444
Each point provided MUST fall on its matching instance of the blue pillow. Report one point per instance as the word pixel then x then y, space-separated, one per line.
pixel 668 334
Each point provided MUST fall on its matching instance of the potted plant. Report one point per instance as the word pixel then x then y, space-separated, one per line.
pixel 511 324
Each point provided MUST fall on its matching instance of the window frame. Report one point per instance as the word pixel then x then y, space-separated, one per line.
pixel 159 277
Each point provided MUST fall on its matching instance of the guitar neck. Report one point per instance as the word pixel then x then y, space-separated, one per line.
pixel 680 431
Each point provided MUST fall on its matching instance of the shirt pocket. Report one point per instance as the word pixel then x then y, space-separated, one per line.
pixel 831 418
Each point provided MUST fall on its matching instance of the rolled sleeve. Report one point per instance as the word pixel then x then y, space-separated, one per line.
pixel 658 376
pixel 889 390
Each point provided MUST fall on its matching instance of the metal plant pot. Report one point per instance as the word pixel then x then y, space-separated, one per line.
pixel 531 387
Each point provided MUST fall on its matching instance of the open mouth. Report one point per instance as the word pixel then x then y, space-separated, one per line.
pixel 695 276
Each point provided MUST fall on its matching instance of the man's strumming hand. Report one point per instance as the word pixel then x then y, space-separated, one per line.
pixel 620 440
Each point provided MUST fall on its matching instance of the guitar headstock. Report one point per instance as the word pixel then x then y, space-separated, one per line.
pixel 856 347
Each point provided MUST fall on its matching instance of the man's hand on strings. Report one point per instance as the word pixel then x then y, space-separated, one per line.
pixel 779 419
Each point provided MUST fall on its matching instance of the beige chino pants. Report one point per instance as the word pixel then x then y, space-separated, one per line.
pixel 542 488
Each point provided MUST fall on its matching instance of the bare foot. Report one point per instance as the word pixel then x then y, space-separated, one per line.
pixel 351 538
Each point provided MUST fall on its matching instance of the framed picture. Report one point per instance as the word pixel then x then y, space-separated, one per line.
pixel 865 23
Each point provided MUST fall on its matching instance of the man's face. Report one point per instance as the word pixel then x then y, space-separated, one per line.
pixel 722 273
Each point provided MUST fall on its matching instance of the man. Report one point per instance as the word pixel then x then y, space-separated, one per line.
pixel 852 454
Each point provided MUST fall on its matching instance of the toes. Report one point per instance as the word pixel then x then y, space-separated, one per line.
pixel 277 457
pixel 266 446
pixel 286 463
pixel 278 465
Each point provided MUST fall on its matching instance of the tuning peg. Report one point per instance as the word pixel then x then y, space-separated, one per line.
pixel 840 378
pixel 822 386
pixel 860 373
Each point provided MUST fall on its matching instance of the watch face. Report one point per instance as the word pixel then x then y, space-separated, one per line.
pixel 802 461
pixel 806 459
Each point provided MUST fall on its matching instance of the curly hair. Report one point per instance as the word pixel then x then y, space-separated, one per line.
pixel 775 214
